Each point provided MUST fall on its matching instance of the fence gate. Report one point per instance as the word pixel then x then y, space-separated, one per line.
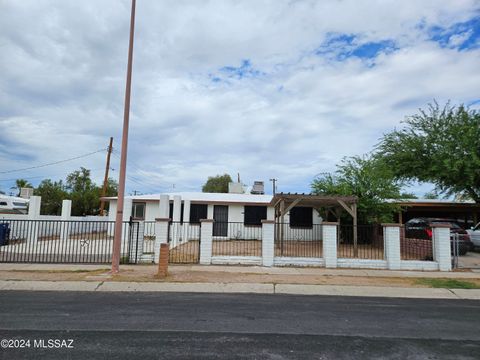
pixel 184 242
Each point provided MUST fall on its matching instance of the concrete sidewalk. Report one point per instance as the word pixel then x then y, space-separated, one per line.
pixel 256 288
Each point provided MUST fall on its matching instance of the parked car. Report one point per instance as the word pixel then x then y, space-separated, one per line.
pixel 474 233
pixel 421 228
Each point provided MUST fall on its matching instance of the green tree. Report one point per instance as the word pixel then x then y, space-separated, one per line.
pixel 22 183
pixel 52 194
pixel 367 178
pixel 217 184
pixel 83 192
pixel 439 145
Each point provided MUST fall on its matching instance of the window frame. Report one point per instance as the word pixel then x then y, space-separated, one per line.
pixel 257 207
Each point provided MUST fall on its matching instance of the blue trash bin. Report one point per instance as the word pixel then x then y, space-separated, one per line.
pixel 4 233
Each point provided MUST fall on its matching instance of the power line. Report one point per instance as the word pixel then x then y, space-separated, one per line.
pixel 53 163
pixel 45 176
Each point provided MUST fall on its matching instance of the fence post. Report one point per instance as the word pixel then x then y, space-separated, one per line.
pixel 66 217
pixel 206 241
pixel 34 214
pixel 163 261
pixel 161 236
pixel 441 246
pixel 268 250
pixel 391 236
pixel 329 235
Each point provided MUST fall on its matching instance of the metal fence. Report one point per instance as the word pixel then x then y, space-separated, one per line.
pixel 236 239
pixel 414 248
pixel 54 241
pixel 149 237
pixel 298 241
pixel 184 242
pixel 361 242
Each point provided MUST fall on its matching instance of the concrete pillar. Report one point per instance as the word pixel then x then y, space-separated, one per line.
pixel 186 211
pixel 270 213
pixel 210 212
pixel 329 235
pixel 161 236
pixel 268 250
pixel 33 225
pixel 391 236
pixel 441 247
pixel 66 217
pixel 206 241
pixel 164 207
pixel 177 208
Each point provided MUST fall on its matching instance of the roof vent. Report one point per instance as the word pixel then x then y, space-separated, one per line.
pixel 258 188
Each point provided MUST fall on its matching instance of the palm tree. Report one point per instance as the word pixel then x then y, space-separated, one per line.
pixel 22 183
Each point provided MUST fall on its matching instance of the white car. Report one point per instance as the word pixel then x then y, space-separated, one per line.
pixel 474 233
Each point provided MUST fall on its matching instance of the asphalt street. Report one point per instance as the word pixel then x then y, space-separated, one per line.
pixel 59 325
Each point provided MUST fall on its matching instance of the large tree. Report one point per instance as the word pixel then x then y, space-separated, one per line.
pixel 52 193
pixel 438 145
pixel 217 184
pixel 83 192
pixel 367 178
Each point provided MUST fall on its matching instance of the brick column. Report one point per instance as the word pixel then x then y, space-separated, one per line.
pixel 34 217
pixel 66 217
pixel 441 247
pixel 206 241
pixel 161 236
pixel 268 250
pixel 163 260
pixel 329 235
pixel 391 236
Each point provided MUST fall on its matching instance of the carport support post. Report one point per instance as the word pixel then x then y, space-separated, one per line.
pixel 161 236
pixel 206 241
pixel 329 235
pixel 66 216
pixel 33 217
pixel 441 247
pixel 391 236
pixel 268 229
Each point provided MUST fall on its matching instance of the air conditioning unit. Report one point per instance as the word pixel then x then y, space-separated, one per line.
pixel 26 193
pixel 258 188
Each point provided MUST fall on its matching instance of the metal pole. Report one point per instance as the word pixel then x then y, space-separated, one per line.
pixel 105 179
pixel 274 190
pixel 123 159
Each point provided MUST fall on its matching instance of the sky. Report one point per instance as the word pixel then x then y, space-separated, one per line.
pixel 268 89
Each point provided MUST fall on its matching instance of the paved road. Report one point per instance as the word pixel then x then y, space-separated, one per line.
pixel 224 326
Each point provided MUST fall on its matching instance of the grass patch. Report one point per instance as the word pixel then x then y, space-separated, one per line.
pixel 447 283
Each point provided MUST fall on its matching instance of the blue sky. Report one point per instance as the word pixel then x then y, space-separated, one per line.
pixel 277 89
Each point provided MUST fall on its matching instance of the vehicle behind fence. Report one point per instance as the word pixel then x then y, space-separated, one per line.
pixel 54 241
pixel 361 242
pixel 184 241
pixel 236 239
pixel 415 247
pixel 298 241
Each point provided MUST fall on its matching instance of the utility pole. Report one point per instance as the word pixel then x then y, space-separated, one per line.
pixel 105 179
pixel 274 183
pixel 117 240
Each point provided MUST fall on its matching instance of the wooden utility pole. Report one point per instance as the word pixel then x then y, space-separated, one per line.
pixel 105 179
pixel 117 240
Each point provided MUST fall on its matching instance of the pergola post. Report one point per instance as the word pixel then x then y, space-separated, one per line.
pixel 282 219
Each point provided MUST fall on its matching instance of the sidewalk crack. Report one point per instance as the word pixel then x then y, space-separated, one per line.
pixel 453 292
pixel 99 284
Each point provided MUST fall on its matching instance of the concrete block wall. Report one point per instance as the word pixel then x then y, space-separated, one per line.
pixel 329 235
pixel 441 247
pixel 206 241
pixel 391 236
pixel 161 236
pixel 268 250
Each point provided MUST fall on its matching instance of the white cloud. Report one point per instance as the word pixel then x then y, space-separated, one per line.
pixel 62 84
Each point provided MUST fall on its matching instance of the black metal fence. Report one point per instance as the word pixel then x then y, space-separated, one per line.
pixel 184 241
pixel 298 241
pixel 415 249
pixel 361 242
pixel 54 241
pixel 236 239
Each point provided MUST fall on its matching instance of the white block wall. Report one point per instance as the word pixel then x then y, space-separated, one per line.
pixel 330 244
pixel 206 242
pixel 391 236
pixel 442 248
pixel 161 237
pixel 268 250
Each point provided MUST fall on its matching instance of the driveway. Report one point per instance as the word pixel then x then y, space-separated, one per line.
pixel 470 260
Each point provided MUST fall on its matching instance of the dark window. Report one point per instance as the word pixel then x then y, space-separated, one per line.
pixel 170 213
pixel 4 203
pixel 198 212
pixel 301 217
pixel 254 215
pixel 138 210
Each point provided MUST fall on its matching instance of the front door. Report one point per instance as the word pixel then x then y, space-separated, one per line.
pixel 220 223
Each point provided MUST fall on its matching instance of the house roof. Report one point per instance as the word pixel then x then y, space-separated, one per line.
pixel 202 197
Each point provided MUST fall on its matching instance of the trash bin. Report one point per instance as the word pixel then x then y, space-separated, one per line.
pixel 4 233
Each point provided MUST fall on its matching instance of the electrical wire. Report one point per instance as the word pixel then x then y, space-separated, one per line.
pixel 52 163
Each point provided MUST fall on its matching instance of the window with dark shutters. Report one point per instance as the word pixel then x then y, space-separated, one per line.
pixel 301 217
pixel 253 215
pixel 198 212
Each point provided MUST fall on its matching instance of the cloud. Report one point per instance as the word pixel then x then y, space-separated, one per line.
pixel 280 89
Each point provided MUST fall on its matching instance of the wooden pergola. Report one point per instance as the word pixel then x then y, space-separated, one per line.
pixel 284 202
